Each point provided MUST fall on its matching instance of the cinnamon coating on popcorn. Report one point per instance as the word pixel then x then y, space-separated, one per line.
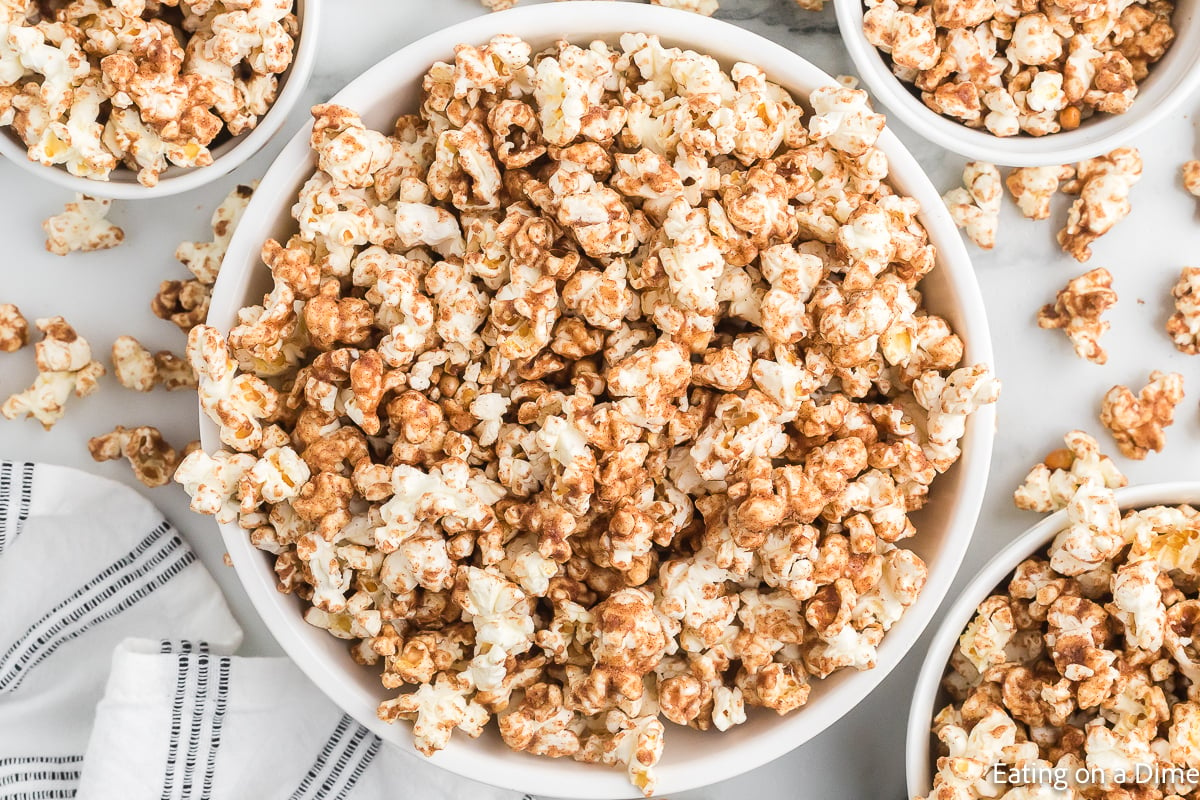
pixel 594 398
pixel 1083 660
pixel 1034 67
pixel 94 85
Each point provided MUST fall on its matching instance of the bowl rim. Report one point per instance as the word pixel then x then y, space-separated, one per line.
pixel 1095 137
pixel 295 82
pixel 578 21
pixel 962 607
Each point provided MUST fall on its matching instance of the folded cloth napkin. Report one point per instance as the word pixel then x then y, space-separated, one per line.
pixel 116 679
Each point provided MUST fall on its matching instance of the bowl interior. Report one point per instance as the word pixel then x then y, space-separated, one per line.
pixel 929 695
pixel 1171 81
pixel 122 182
pixel 691 758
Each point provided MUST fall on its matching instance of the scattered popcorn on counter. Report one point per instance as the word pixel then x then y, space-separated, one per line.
pixel 1078 310
pixel 185 302
pixel 1103 185
pixel 1050 485
pixel 152 459
pixel 599 392
pixel 1191 177
pixel 14 329
pixel 976 209
pixel 1033 187
pixel 1137 421
pixel 138 369
pixel 65 367
pixel 82 226
pixel 1184 325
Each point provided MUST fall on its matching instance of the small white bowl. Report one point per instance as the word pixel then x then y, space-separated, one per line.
pixel 122 183
pixel 691 758
pixel 1171 81
pixel 929 697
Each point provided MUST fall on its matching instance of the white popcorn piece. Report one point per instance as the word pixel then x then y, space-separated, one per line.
pixel 213 481
pixel 203 259
pixel 1050 486
pixel 82 226
pixel 65 367
pixel 976 209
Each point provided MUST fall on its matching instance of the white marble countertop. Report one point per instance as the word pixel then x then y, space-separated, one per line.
pixel 1047 391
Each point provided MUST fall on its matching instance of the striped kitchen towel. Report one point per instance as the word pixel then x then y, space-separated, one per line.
pixel 116 679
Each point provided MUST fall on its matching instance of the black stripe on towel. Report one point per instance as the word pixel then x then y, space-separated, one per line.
pixel 121 585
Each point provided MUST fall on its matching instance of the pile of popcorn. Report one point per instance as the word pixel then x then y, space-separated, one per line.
pixel 598 393
pixel 1032 66
pixel 1086 661
pixel 142 83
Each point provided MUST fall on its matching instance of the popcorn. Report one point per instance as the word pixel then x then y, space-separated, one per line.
pixel 705 7
pixel 164 89
pixel 1096 667
pixel 976 208
pixel 1137 422
pixel 1033 187
pixel 1191 177
pixel 65 367
pixel 213 482
pixel 1020 68
pixel 597 392
pixel 137 369
pixel 1103 186
pixel 1077 310
pixel 203 259
pixel 1184 325
pixel 82 226
pixel 1050 485
pixel 152 458
pixel 14 329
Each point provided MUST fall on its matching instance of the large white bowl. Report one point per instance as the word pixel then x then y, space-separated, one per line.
pixel 692 759
pixel 1171 81
pixel 929 696
pixel 122 183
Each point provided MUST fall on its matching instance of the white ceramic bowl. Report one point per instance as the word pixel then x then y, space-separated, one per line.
pixel 122 183
pixel 691 759
pixel 1171 81
pixel 929 696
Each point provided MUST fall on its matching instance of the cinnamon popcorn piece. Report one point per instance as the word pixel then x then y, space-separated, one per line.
pixel 598 391
pixel 14 329
pixel 1033 187
pixel 1103 185
pixel 138 369
pixel 1024 68
pixel 1077 310
pixel 82 226
pixel 203 259
pixel 1191 177
pixel 65 367
pixel 1137 421
pixel 1184 325
pixel 1083 659
pixel 1050 485
pixel 976 209
pixel 152 459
